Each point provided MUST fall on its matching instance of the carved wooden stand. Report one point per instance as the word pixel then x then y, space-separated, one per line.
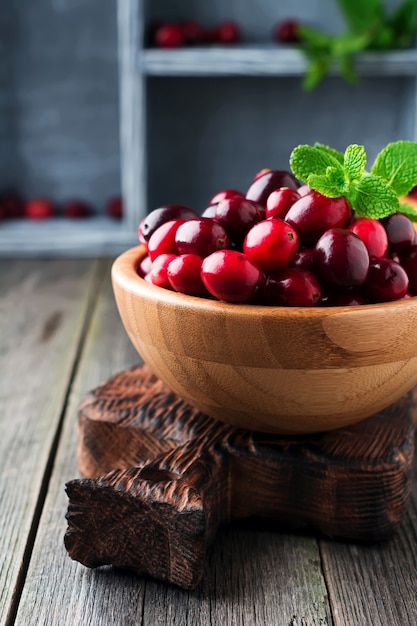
pixel 161 477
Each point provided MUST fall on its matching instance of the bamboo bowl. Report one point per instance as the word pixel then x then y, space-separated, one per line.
pixel 273 369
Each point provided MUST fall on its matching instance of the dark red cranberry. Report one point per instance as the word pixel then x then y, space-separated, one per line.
pixel 193 32
pixel 271 244
pixel 201 236
pixel 314 213
pixel 292 287
pixel 12 205
pixel 238 215
pixel 303 260
pixel 409 263
pixel 303 190
pixel 162 240
pixel 227 33
pixel 184 275
pixel 280 201
pixel 387 281
pixel 413 192
pixel 231 276
pixel 347 298
pixel 163 214
pixel 39 209
pixel 224 194
pixel 261 172
pixel 169 36
pixel 373 235
pixel 114 207
pixel 400 232
pixel 266 183
pixel 287 31
pixel 210 211
pixel 341 259
pixel 74 209
pixel 144 266
pixel 159 270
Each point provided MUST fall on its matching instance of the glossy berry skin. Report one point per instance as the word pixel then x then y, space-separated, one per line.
pixel 201 236
pixel 144 266
pixel 159 270
pixel 314 213
pixel 158 216
pixel 162 241
pixel 184 275
pixel 238 215
pixel 373 235
pixel 303 260
pixel 227 32
pixel 341 259
pixel 271 244
pixel 39 209
pixel 290 286
pixel 262 187
pixel 346 298
pixel 210 211
pixel 400 232
pixel 224 194
pixel 387 281
pixel 287 31
pixel 231 276
pixel 280 201
pixel 409 263
pixel 114 207
pixel 169 36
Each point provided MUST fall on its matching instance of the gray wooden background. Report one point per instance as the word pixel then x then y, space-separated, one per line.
pixel 59 126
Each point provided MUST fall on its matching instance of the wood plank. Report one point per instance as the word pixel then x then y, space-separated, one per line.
pixel 43 306
pixel 375 584
pixel 263 578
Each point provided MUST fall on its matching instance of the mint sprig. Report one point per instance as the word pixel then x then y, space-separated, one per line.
pixel 371 194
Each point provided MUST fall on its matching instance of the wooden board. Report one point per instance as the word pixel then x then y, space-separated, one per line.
pixel 166 477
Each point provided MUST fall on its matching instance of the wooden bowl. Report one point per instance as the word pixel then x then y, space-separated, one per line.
pixel 274 369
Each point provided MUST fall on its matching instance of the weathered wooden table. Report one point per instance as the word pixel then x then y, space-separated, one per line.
pixel 60 335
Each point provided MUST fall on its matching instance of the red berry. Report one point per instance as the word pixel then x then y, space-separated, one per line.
pixel 114 207
pixel 238 215
pixel 287 31
pixel 303 260
pixel 184 275
pixel 290 286
pixel 210 211
pixel 159 270
pixel 373 235
pixel 231 276
pixel 227 33
pixel 400 232
pixel 12 205
pixel 162 240
pixel 224 194
pixel 409 263
pixel 261 172
pixel 314 213
pixel 387 281
pixel 193 32
pixel 341 258
pixel 201 236
pixel 169 36
pixel 266 183
pixel 39 209
pixel 271 244
pixel 280 201
pixel 144 266
pixel 74 209
pixel 163 214
pixel 347 298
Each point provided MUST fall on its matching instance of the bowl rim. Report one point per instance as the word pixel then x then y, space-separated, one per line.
pixel 124 273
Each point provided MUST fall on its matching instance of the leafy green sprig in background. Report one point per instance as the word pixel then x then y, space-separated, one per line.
pixel 369 27
pixel 372 194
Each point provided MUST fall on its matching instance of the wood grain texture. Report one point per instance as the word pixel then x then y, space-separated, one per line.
pixel 176 475
pixel 274 369
pixel 43 307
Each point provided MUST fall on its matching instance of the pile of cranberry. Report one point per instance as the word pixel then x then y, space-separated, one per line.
pixel 280 244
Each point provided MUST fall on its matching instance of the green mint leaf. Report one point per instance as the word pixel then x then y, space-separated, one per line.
pixel 330 185
pixel 409 211
pixel 334 153
pixel 361 16
pixel 373 197
pixel 397 164
pixel 354 161
pixel 306 160
pixel 403 24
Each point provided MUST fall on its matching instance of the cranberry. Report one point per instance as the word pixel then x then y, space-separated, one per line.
pixel 400 232
pixel 158 216
pixel 193 32
pixel 184 275
pixel 314 213
pixel 224 194
pixel 39 209
pixel 290 286
pixel 162 240
pixel 347 298
pixel 74 209
pixel 341 258
pixel 169 36
pixel 227 33
pixel 387 281
pixel 279 202
pixel 303 260
pixel 265 184
pixel 303 190
pixel 238 215
pixel 373 235
pixel 201 236
pixel 409 263
pixel 144 266
pixel 271 244
pixel 231 276
pixel 210 211
pixel 261 172
pixel 287 31
pixel 114 207
pixel 159 270
pixel 12 205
